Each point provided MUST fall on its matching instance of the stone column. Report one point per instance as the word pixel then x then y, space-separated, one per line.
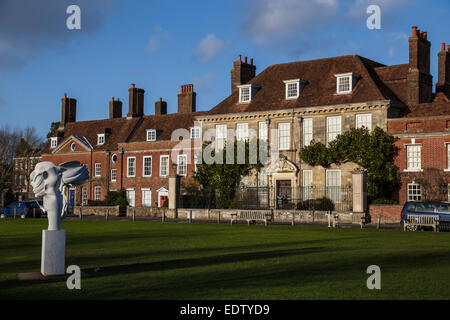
pixel 174 191
pixel 359 191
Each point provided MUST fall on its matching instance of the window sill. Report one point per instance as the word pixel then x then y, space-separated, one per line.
pixel 446 170
pixel 413 170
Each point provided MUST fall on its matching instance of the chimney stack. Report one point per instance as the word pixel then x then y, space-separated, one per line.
pixel 187 99
pixel 242 72
pixel 443 84
pixel 419 79
pixel 160 107
pixel 69 110
pixel 136 102
pixel 115 109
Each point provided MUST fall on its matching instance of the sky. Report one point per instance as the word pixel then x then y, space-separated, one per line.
pixel 161 45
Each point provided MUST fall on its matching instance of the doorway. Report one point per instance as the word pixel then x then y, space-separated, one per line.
pixel 284 194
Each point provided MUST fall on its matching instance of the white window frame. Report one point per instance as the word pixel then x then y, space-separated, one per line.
pixel 242 131
pixel 331 135
pixel 307 183
pixel 244 98
pixel 53 142
pixel 182 164
pixel 101 138
pixel 97 169
pixel 97 193
pixel 307 131
pixel 114 176
pixel 161 157
pixel 286 143
pixel 221 136
pixel 196 132
pixel 263 132
pixel 340 78
pixel 148 203
pixel 128 167
pixel 362 122
pixel 151 135
pixel 447 148
pixel 288 85
pixel 144 166
pixel 413 164
pixel 336 196
pixel 413 192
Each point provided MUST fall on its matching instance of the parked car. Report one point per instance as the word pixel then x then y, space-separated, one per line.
pixel 40 203
pixel 433 208
pixel 23 209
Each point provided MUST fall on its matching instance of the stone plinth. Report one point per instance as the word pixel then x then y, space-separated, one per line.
pixel 359 191
pixel 53 252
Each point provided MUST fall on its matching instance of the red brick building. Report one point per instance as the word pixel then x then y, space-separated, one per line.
pixel 135 152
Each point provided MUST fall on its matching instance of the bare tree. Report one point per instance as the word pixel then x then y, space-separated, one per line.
pixel 434 184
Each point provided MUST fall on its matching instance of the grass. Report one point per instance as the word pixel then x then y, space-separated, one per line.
pixel 151 260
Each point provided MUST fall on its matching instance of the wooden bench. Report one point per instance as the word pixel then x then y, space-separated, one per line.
pixel 253 215
pixel 414 221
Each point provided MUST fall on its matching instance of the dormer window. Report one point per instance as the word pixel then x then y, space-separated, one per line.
pixel 151 135
pixel 345 82
pixel 53 142
pixel 293 88
pixel 101 138
pixel 246 93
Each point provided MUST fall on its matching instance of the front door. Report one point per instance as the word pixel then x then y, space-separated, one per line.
pixel 284 194
pixel 162 199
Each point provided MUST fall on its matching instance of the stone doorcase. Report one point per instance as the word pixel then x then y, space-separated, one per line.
pixel 283 170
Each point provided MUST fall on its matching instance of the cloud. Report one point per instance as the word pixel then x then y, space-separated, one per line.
pixel 159 34
pixel 30 28
pixel 209 47
pixel 268 19
pixel 205 83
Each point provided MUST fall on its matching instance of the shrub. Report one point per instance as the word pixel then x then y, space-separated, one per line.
pixel 117 198
pixel 322 204
pixel 383 201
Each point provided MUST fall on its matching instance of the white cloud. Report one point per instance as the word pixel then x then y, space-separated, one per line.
pixel 205 82
pixel 273 18
pixel 159 34
pixel 209 47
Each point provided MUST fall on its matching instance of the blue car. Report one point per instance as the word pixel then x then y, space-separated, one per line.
pixel 24 209
pixel 432 208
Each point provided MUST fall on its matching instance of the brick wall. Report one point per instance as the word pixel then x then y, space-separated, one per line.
pixel 96 211
pixel 389 213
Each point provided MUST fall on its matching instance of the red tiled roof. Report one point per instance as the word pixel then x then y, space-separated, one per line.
pixel 164 125
pixel 119 131
pixel 321 87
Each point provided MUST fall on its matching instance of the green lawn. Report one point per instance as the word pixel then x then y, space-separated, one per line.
pixel 151 260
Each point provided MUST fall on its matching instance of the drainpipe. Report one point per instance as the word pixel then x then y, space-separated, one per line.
pixel 107 170
pixel 121 152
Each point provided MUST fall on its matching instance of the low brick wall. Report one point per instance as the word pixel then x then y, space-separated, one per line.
pixel 96 211
pixel 389 213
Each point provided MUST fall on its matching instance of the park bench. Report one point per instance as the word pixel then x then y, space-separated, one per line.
pixel 253 215
pixel 414 221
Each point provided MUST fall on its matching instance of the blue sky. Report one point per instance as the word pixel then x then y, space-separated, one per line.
pixel 160 45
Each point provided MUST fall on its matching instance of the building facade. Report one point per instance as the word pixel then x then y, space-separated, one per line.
pixel 288 106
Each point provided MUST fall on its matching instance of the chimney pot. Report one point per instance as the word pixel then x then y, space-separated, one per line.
pixel 251 61
pixel 414 31
pixel 133 85
pixel 448 48
pixel 425 35
pixel 240 58
pixel 245 60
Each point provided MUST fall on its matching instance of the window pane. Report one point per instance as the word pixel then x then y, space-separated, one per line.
pixel 307 131
pixel 414 192
pixel 334 186
pixel 131 167
pixel 413 157
pixel 147 166
pixel 333 128
pixel 182 165
pixel 242 131
pixel 164 166
pixel 307 185
pixel 292 90
pixel 284 136
pixel 364 120
pixel 343 84
pixel 263 131
pixel 221 135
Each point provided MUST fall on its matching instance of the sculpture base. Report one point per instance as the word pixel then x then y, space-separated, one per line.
pixel 53 252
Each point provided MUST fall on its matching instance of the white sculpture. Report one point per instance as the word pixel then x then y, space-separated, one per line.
pixel 50 181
